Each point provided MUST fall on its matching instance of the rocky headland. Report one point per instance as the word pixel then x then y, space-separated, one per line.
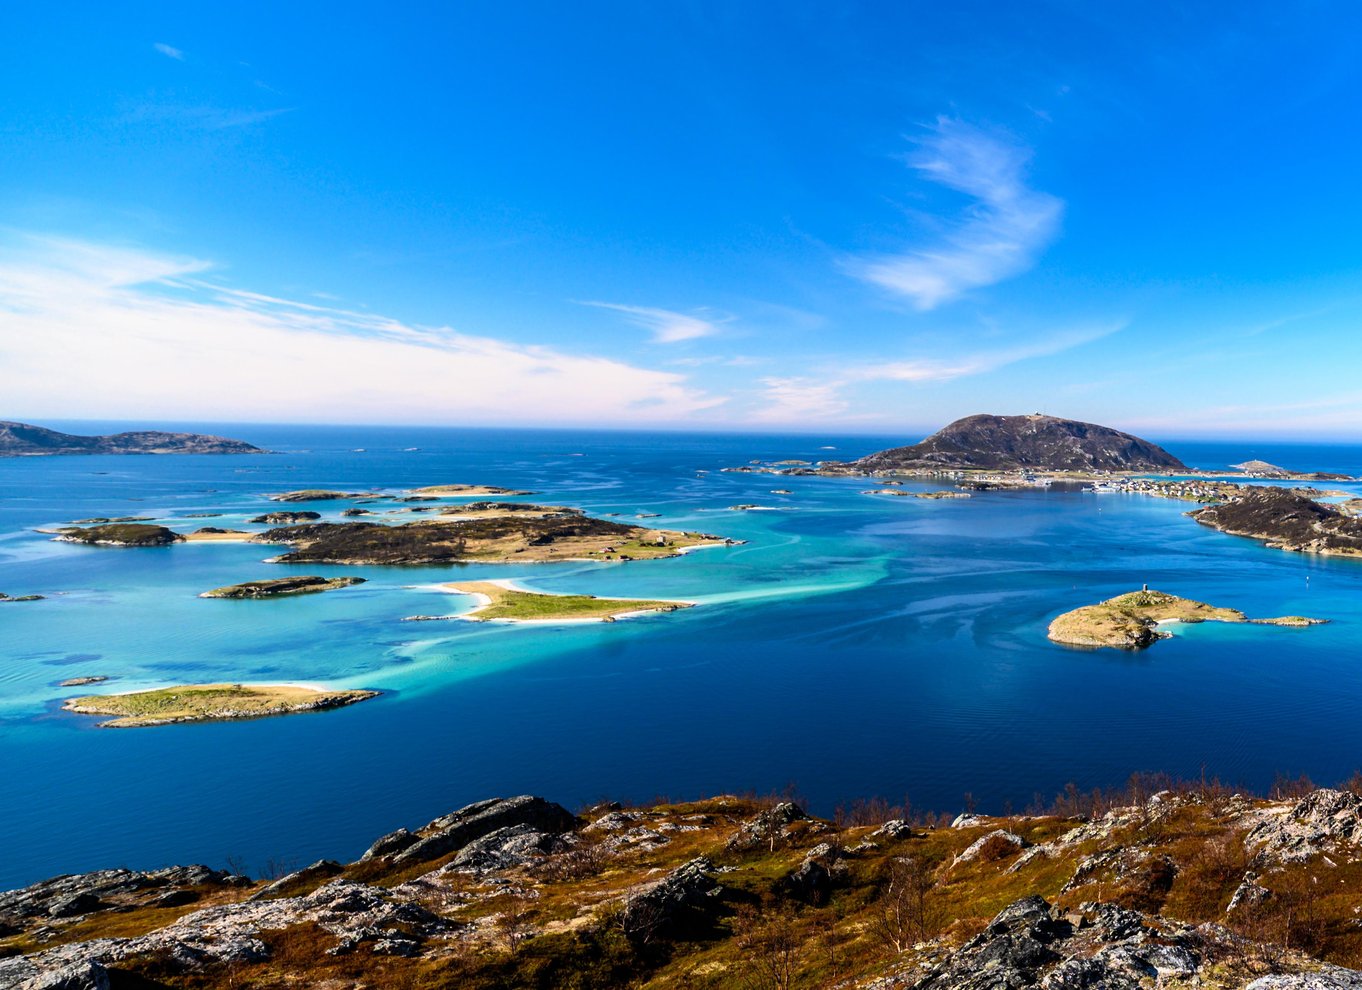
pixel 210 703
pixel 25 440
pixel 277 587
pixel 1131 621
pixel 1286 520
pixel 1189 887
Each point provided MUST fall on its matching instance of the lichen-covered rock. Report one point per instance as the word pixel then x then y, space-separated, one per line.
pixel 1104 946
pixel 998 839
pixel 768 827
pixel 1317 823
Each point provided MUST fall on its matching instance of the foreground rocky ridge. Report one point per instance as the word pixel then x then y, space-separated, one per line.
pixel 1198 888
pixel 24 439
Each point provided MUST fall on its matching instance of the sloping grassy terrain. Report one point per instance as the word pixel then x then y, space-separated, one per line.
pixel 788 901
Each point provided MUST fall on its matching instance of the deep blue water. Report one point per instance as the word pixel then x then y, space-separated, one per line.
pixel 855 646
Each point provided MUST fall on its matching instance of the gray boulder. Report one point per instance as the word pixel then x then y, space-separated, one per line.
pixel 453 832
pixel 685 900
pixel 388 845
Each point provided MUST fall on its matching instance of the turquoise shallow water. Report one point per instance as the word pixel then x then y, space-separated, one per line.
pixel 854 646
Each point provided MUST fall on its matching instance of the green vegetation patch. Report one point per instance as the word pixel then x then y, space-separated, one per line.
pixel 529 606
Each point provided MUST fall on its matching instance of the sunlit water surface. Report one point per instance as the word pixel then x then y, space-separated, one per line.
pixel 853 646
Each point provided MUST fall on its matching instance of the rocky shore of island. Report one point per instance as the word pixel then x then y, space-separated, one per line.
pixel 210 703
pixel 1131 621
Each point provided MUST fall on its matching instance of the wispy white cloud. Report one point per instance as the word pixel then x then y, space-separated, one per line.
pixel 88 330
pixel 922 370
pixel 169 51
pixel 206 118
pixel 667 326
pixel 798 400
pixel 999 236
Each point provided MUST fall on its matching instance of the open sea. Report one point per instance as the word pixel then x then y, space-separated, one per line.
pixel 854 646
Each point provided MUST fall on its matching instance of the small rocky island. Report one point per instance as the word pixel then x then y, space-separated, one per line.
pixel 1131 621
pixel 25 440
pixel 1262 469
pixel 900 493
pixel 209 703
pixel 285 518
pixel 1019 443
pixel 1286 520
pixel 319 495
pixel 501 601
pixel 278 587
pixel 460 491
pixel 120 535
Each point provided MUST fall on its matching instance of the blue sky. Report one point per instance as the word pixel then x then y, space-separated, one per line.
pixel 773 216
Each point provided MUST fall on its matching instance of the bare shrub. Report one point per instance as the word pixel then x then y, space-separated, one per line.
pixel 902 916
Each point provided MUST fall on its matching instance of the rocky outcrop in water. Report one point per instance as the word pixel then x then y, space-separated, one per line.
pixel 121 535
pixel 286 518
pixel 277 587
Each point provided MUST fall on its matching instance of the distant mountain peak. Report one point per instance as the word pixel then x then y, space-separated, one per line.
pixel 1032 441
pixel 26 440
